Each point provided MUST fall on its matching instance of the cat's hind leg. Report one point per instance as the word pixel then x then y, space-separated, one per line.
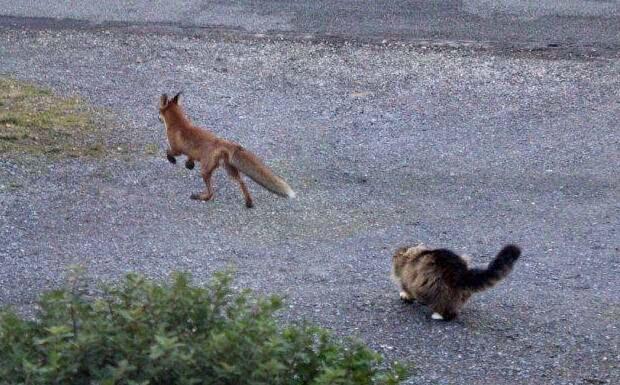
pixel 444 315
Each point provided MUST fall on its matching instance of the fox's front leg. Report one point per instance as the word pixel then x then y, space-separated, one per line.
pixel 189 164
pixel 171 155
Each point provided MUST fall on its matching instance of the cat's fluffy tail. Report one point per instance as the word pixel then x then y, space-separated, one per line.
pixel 499 268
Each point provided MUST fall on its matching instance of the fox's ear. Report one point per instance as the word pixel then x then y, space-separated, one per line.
pixel 175 99
pixel 163 100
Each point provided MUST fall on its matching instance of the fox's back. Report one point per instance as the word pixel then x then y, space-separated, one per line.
pixel 198 142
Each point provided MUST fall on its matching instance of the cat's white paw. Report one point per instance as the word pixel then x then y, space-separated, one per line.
pixel 404 296
pixel 437 316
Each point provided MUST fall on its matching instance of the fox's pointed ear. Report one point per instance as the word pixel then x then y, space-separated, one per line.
pixel 175 99
pixel 163 100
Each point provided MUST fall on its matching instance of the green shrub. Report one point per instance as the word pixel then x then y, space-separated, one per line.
pixel 146 333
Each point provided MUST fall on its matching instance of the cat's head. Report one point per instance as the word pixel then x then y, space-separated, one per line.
pixel 410 250
pixel 414 251
pixel 404 254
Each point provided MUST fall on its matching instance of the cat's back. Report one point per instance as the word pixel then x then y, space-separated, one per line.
pixel 424 264
pixel 444 264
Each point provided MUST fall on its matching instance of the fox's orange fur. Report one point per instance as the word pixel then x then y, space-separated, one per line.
pixel 201 145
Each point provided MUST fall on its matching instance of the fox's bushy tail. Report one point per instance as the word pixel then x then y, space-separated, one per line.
pixel 252 166
pixel 499 268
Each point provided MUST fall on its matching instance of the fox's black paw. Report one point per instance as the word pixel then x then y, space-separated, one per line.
pixel 189 164
pixel 171 159
pixel 249 204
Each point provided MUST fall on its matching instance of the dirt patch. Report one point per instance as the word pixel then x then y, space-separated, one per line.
pixel 34 120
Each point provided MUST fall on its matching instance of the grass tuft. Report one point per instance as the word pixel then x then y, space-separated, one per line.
pixel 35 121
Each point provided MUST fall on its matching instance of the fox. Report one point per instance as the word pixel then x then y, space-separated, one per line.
pixel 442 279
pixel 199 144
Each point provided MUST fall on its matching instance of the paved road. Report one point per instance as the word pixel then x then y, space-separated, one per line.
pixel 385 144
pixel 537 22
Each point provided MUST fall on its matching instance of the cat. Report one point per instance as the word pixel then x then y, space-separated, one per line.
pixel 442 280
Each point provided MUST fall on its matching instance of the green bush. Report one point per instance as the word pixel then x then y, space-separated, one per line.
pixel 146 333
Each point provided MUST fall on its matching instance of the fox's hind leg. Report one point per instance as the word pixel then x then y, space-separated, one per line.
pixel 206 171
pixel 234 173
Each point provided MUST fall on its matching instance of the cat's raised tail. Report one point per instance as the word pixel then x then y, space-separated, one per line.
pixel 499 268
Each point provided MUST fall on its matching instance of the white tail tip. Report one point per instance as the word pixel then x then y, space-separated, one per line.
pixel 291 194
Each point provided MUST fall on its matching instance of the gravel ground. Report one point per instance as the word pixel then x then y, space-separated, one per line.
pixel 568 23
pixel 386 145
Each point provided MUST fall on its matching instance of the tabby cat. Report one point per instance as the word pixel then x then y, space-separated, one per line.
pixel 442 280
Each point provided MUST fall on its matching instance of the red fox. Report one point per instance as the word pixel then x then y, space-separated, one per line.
pixel 201 145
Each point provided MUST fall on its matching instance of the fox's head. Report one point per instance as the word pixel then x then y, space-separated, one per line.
pixel 166 105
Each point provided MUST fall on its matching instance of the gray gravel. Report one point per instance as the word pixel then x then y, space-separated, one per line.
pixel 386 145
pixel 539 22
